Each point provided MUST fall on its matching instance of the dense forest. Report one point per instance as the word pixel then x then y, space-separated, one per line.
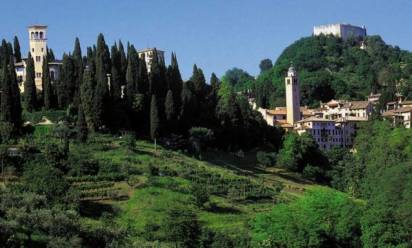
pixel 151 160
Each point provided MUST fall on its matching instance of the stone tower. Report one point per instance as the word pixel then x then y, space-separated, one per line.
pixel 38 50
pixel 292 87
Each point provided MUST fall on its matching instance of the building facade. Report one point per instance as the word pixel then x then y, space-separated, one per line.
pixel 38 50
pixel 344 31
pixel 148 56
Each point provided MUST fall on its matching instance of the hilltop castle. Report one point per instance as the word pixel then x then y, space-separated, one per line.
pixel 344 31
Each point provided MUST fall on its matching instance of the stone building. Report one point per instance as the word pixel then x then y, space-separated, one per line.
pixel 148 55
pixel 344 31
pixel 38 50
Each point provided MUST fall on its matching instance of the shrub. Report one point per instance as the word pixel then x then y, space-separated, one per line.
pixel 266 158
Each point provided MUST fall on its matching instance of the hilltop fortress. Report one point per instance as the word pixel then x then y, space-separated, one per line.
pixel 343 31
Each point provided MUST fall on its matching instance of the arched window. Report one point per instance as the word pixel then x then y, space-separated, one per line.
pixel 32 35
pixel 41 35
pixel 37 35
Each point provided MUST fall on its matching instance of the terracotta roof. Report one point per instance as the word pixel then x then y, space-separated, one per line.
pixel 277 111
pixel 351 118
pixel 358 104
pixel 314 118
pixel 406 103
pixel 403 110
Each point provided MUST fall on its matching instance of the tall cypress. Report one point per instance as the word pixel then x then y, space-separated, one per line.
pixel 6 104
pixel 123 62
pixel 170 111
pixel 16 118
pixel 188 107
pixel 66 87
pixel 154 119
pixel 157 77
pixel 199 81
pixel 131 75
pixel 47 86
pixel 116 77
pixel 175 80
pixel 86 98
pixel 16 45
pixel 214 82
pixel 30 91
pixel 101 93
pixel 50 55
pixel 78 71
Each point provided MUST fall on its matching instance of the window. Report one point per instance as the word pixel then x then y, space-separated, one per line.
pixel 288 81
pixel 42 49
pixel 52 75
pixel 38 59
pixel 32 50
pixel 38 75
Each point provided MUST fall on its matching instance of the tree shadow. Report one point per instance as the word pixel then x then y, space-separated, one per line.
pixel 94 209
pixel 222 209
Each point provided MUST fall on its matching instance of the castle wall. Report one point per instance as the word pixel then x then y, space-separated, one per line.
pixel 343 31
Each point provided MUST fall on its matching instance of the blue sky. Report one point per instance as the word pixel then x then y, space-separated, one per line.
pixel 215 34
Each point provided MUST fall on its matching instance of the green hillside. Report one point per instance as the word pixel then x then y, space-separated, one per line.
pixel 331 68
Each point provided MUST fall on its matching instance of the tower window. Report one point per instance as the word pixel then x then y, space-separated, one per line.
pixel 32 50
pixel 288 81
pixel 38 59
pixel 42 49
pixel 41 35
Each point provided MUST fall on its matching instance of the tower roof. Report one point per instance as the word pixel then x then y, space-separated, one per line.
pixel 37 26
pixel 291 71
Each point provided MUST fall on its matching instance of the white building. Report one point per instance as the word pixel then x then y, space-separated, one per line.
pixel 38 50
pixel 343 31
pixel 148 55
pixel 335 109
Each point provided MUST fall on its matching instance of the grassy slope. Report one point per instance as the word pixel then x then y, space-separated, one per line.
pixel 148 203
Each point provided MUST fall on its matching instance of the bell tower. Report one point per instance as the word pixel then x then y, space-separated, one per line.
pixel 38 50
pixel 292 87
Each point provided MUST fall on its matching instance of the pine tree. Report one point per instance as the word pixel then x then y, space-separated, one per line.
pixel 17 53
pixel 48 95
pixel 82 131
pixel 154 119
pixel 30 94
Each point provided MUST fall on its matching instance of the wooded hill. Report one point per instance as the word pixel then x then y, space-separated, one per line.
pixel 332 68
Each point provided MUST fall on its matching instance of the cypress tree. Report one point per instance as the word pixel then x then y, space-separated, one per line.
pixel 157 77
pixel 175 80
pixel 101 90
pixel 47 86
pixel 50 55
pixel 154 119
pixel 115 87
pixel 142 78
pixel 66 88
pixel 16 118
pixel 131 75
pixel 17 53
pixel 82 131
pixel 78 71
pixel 30 94
pixel 199 81
pixel 6 104
pixel 188 107
pixel 123 62
pixel 170 110
pixel 214 83
pixel 86 98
